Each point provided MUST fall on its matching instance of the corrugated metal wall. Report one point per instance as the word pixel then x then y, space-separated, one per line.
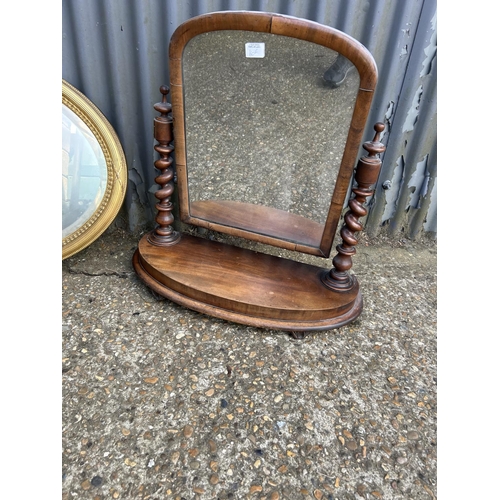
pixel 116 53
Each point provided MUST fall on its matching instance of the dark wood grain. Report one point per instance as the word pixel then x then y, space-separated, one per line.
pixel 164 234
pixel 259 221
pixel 367 172
pixel 244 286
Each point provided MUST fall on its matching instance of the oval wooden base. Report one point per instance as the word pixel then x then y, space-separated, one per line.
pixel 245 286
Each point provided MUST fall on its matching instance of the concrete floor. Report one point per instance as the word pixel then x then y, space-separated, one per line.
pixel 162 402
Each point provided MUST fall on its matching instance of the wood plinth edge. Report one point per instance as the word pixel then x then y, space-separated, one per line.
pixel 239 306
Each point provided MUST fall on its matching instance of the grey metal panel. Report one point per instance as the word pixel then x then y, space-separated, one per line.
pixel 411 142
pixel 116 53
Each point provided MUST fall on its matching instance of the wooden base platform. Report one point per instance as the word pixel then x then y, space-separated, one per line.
pixel 245 286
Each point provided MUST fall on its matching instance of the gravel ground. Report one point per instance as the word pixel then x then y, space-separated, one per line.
pixel 163 402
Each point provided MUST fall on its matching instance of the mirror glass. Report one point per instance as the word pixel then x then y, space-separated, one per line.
pixel 262 125
pixel 84 172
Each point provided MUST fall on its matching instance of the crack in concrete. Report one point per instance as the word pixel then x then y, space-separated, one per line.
pixel 100 273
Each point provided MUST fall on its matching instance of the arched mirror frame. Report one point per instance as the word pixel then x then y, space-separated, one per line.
pixel 262 22
pixel 116 181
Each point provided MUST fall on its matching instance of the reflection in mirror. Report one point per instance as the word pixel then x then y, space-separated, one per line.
pixel 84 175
pixel 262 124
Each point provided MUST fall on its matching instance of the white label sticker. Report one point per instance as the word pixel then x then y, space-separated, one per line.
pixel 255 49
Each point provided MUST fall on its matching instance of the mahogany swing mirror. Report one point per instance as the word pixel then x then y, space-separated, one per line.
pixel 268 112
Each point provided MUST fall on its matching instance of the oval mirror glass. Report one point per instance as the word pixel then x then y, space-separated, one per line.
pixel 94 172
pixel 84 173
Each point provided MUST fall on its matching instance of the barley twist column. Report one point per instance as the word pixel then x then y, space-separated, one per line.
pixel 164 234
pixel 367 172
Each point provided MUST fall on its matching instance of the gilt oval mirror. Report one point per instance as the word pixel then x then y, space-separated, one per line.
pixel 267 143
pixel 94 172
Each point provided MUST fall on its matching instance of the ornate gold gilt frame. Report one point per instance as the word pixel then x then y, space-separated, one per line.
pixel 116 182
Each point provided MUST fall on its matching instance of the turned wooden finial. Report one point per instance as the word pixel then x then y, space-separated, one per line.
pixel 374 146
pixel 163 107
pixel 164 234
pixel 367 172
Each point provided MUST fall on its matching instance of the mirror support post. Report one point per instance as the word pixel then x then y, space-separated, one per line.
pixel 367 172
pixel 164 234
